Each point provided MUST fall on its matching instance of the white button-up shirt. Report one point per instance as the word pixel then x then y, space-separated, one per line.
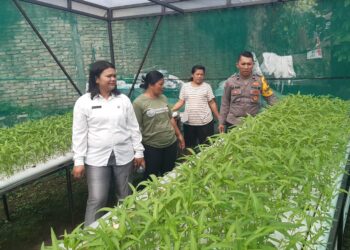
pixel 100 126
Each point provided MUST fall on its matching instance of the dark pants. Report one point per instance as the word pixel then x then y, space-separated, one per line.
pixel 195 135
pixel 229 126
pixel 159 160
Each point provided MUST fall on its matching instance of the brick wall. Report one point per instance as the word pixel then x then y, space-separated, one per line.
pixel 215 38
pixel 29 76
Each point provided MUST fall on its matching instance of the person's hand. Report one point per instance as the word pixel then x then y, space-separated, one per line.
pixel 221 128
pixel 176 115
pixel 78 171
pixel 139 162
pixel 181 142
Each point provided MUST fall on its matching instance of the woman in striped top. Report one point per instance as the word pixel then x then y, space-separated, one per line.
pixel 200 105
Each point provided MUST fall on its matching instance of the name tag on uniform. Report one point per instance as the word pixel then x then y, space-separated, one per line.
pixel 236 92
pixel 96 107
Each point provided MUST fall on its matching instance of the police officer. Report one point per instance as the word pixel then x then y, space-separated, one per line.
pixel 242 93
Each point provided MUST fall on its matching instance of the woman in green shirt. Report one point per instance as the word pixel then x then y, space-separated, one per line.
pixel 159 130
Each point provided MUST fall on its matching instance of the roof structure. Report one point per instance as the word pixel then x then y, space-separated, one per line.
pixel 124 9
pixel 113 10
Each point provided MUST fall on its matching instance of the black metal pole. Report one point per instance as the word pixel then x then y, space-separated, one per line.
pixel 168 5
pixel 24 14
pixel 145 55
pixel 67 9
pixel 340 228
pixel 110 34
pixel 69 193
pixel 6 208
pixel 336 232
pixel 342 220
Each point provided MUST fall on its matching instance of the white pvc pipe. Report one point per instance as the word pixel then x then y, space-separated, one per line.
pixel 33 173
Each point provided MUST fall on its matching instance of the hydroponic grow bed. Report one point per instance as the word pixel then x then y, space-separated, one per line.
pixel 32 150
pixel 271 176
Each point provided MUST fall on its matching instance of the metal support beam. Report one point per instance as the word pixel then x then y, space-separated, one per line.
pixel 24 14
pixel 336 235
pixel 30 179
pixel 91 4
pixel 110 35
pixel 160 18
pixel 340 237
pixel 69 193
pixel 6 207
pixel 137 5
pixel 167 5
pixel 66 9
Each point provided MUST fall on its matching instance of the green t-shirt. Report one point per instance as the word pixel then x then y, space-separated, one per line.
pixel 154 117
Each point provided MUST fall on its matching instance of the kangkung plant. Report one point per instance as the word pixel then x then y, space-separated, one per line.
pixel 267 184
pixel 29 143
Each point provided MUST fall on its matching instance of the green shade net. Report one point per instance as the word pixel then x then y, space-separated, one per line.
pixel 299 29
pixel 315 34
pixel 32 85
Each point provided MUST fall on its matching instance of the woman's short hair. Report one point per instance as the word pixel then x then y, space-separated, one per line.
pixel 151 78
pixel 195 68
pixel 95 71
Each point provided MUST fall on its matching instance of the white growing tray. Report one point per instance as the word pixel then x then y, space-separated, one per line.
pixel 33 173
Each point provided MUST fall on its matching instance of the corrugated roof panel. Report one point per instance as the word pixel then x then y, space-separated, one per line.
pixel 89 9
pixel 139 11
pixel 194 4
pixel 135 8
pixel 207 4
pixel 60 3
pixel 116 3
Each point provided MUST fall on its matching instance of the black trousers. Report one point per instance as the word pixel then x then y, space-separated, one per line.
pixel 229 126
pixel 195 135
pixel 159 160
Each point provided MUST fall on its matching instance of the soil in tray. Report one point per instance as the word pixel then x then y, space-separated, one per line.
pixel 37 207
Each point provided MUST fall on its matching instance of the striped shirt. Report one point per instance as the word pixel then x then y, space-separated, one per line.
pixel 196 103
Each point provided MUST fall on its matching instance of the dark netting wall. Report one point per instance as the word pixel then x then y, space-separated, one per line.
pixel 76 40
pixel 309 38
pixel 31 83
pixel 307 41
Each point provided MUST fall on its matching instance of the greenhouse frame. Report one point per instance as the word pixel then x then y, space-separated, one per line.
pixel 48 45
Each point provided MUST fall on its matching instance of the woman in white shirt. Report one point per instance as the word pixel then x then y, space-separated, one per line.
pixel 106 139
pixel 200 106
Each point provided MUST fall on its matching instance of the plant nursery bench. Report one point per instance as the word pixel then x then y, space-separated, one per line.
pixel 339 211
pixel 36 172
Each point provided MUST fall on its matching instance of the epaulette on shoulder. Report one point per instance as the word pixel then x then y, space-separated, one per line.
pixel 256 76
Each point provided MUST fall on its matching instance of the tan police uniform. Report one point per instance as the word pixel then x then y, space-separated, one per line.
pixel 242 97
